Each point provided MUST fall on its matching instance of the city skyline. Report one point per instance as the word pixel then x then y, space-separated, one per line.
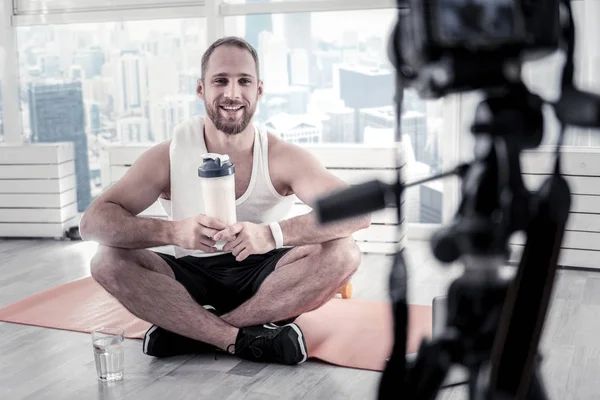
pixel 137 87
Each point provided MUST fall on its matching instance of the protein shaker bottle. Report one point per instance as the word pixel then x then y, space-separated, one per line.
pixel 217 179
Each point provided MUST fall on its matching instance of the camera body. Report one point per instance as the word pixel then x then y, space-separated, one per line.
pixel 446 46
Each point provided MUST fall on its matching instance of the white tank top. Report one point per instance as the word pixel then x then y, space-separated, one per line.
pixel 260 204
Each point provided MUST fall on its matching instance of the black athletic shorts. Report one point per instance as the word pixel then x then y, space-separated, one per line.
pixel 221 281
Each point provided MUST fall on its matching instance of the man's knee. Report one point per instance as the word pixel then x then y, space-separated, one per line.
pixel 342 254
pixel 105 266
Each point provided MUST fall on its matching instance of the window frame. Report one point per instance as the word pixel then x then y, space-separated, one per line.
pixel 215 11
pixel 282 7
pixel 99 16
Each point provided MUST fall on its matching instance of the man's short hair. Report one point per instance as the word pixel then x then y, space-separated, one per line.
pixel 230 41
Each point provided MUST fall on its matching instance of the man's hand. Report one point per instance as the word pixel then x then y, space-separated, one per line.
pixel 197 233
pixel 245 239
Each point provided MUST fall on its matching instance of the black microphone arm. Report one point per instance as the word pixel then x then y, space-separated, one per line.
pixel 370 196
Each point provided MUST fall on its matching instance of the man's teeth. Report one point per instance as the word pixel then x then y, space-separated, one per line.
pixel 232 108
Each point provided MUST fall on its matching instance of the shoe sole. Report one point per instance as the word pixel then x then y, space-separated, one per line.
pixel 211 309
pixel 301 343
pixel 147 338
pixel 298 336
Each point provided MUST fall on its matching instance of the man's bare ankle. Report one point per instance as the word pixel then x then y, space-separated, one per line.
pixel 229 340
pixel 231 320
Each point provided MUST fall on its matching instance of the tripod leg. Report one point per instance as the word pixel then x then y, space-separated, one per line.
pixel 473 383
pixel 393 379
pixel 537 391
pixel 426 376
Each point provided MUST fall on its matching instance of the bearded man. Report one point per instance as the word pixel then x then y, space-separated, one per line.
pixel 244 297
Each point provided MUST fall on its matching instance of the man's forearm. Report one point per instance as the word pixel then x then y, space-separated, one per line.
pixel 111 225
pixel 305 229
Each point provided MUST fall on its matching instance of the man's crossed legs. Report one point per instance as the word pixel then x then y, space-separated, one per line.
pixel 303 279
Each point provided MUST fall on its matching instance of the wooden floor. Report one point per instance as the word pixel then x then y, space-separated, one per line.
pixel 38 363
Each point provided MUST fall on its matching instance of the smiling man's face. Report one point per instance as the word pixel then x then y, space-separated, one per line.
pixel 230 89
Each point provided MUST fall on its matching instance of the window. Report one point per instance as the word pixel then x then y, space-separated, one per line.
pixel 94 84
pixel 2 55
pixel 328 79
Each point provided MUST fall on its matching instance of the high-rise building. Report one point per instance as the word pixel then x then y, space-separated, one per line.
pixel 76 73
pixel 93 119
pixel 64 44
pixel 362 88
pixel 298 30
pixel 257 24
pixel 171 111
pixel 324 74
pixel 97 89
pixel 290 100
pixel 91 60
pixel 188 81
pixel 273 60
pixel 351 47
pixel 191 54
pixel 412 102
pixel 339 127
pixel 120 38
pixel 414 125
pixel 25 121
pixel 163 78
pixel 299 39
pixel 376 50
pixel 56 114
pixel 300 67
pixel 431 197
pixel 366 88
pixel 164 45
pixel 50 65
pixel 133 130
pixel 298 98
pixel 422 203
pixel 379 118
pixel 131 84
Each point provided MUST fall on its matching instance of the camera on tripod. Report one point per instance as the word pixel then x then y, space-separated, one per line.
pixel 493 324
pixel 458 45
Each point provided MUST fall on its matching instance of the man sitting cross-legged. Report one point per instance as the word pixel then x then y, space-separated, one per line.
pixel 242 299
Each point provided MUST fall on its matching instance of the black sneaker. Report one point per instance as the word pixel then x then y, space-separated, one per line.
pixel 271 343
pixel 159 342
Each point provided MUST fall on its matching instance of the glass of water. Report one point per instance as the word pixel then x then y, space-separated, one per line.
pixel 109 353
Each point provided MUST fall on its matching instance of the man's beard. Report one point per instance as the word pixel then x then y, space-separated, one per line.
pixel 229 125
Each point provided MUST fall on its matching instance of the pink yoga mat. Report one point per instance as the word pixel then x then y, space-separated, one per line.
pixel 81 306
pixel 347 332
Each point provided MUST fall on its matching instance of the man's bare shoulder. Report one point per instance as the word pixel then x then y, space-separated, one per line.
pixel 287 160
pixel 276 145
pixel 160 152
pixel 283 151
pixel 166 143
pixel 160 158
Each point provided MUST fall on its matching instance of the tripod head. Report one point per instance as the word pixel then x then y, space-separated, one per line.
pixel 495 202
pixel 493 326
